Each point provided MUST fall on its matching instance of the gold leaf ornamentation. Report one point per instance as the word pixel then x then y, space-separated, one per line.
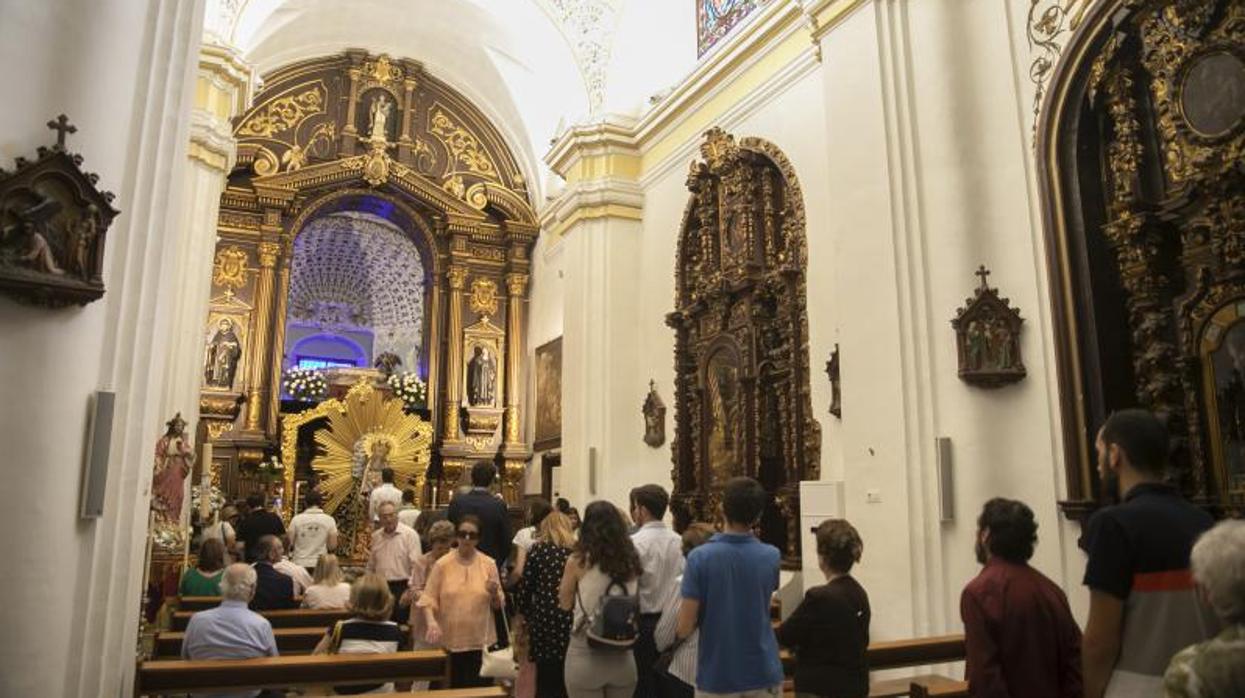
pixel 484 297
pixel 230 269
pixel 283 113
pixel 466 155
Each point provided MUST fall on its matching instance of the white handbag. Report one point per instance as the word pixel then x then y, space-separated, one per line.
pixel 499 663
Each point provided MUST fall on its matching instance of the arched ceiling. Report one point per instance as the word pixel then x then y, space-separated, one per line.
pixel 358 271
pixel 532 66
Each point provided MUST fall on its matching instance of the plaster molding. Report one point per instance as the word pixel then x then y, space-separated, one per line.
pixel 212 142
pixel 588 27
pixel 602 148
pixel 607 197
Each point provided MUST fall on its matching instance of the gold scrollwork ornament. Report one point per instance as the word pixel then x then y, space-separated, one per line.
pixel 484 297
pixel 283 113
pixel 230 269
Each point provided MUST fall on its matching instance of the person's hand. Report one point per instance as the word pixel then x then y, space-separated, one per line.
pixel 434 633
pixel 405 599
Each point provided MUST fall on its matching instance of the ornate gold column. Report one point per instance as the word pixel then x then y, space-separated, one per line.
pixel 457 277
pixel 278 335
pixel 516 289
pixel 261 343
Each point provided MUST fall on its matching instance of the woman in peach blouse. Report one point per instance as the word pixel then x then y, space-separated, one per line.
pixel 458 600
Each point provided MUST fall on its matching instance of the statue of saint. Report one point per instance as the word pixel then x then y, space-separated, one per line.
pixel 174 459
pixel 381 110
pixel 481 377
pixel 223 353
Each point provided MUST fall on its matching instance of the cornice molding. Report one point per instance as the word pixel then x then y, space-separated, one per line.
pixel 607 197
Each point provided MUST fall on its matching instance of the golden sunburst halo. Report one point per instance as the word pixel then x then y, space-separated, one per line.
pixel 355 426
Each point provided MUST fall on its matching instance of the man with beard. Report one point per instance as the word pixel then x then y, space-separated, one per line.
pixel 1143 604
pixel 1020 637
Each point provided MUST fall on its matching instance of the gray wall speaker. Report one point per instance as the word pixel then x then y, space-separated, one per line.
pixel 946 486
pixel 592 470
pixel 99 443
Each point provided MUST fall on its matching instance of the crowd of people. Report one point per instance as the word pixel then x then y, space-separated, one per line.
pixel 619 604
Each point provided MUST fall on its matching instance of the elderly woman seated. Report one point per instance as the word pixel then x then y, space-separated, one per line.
pixel 1215 668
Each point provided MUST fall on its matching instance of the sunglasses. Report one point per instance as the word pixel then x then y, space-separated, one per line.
pixel 468 535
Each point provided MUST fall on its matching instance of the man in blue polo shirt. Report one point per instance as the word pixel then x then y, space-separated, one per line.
pixel 727 587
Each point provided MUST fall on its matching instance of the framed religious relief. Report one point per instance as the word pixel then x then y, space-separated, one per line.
pixel 53 221
pixel 987 335
pixel 548 396
pixel 1223 361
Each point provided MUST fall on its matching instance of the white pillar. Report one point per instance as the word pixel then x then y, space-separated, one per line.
pixel 222 91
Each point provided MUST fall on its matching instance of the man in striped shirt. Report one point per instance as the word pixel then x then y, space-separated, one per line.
pixel 1143 605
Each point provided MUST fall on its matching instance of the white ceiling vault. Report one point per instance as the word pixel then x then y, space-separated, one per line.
pixel 355 270
pixel 532 66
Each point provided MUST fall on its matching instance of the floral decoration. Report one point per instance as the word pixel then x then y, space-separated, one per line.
pixel 216 498
pixel 304 384
pixel 409 388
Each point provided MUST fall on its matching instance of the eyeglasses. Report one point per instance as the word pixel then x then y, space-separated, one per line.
pixel 468 535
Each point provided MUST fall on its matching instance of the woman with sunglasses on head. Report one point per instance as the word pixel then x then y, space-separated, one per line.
pixel 462 591
pixel 604 560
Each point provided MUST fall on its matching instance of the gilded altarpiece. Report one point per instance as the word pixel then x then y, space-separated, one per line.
pixel 357 133
pixel 742 404
pixel 1142 144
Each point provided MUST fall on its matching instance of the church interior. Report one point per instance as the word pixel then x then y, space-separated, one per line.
pixel 888 258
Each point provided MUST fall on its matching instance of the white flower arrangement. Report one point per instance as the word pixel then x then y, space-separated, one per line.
pixel 216 498
pixel 304 384
pixel 409 388
pixel 168 538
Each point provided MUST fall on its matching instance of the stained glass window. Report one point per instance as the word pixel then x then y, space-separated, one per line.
pixel 716 18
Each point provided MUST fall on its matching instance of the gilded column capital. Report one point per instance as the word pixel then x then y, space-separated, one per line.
pixel 516 284
pixel 457 276
pixel 268 254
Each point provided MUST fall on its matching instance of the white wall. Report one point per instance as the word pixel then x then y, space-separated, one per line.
pixel 911 141
pixel 119 71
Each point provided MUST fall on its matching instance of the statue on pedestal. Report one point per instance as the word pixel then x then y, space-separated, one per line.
pixel 481 378
pixel 223 352
pixel 174 459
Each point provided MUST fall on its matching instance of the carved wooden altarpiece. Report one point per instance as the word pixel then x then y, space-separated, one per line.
pixel 1142 144
pixel 53 220
pixel 742 403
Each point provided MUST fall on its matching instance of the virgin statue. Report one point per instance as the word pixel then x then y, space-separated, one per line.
pixel 174 459
pixel 366 471
pixel 381 108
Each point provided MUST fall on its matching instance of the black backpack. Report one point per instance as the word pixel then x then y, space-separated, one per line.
pixel 615 623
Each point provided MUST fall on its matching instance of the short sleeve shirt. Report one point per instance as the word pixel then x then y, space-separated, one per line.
pixel 310 531
pixel 1139 553
pixel 734 577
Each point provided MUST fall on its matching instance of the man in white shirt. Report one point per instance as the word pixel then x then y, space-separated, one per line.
pixel 277 558
pixel 393 555
pixel 312 533
pixel 385 493
pixel 407 513
pixel 661 556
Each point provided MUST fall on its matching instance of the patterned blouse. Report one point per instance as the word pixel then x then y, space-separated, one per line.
pixel 548 626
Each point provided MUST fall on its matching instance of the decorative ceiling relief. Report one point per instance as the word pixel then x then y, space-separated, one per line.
pixel 588 26
pixel 357 271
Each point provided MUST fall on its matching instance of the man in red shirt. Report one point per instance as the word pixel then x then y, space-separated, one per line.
pixel 1021 639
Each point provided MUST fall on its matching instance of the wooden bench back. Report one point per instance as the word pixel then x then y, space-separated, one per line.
pixel 291 618
pixel 958 689
pixel 290 641
pixel 182 676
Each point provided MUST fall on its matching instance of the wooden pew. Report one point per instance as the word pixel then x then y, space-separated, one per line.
pixel 900 654
pixel 202 603
pixel 952 689
pixel 291 618
pixel 290 641
pixel 182 676
pixel 481 692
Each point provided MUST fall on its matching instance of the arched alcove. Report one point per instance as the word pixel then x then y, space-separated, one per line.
pixel 1139 145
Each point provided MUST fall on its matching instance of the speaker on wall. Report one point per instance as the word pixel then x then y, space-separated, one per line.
pixel 592 470
pixel 946 498
pixel 99 443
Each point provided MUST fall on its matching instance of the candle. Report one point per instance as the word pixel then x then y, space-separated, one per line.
pixel 205 479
